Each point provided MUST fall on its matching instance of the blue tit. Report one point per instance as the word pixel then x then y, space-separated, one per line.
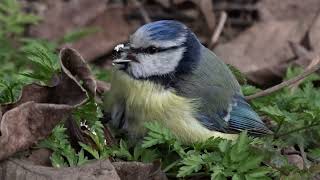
pixel 165 74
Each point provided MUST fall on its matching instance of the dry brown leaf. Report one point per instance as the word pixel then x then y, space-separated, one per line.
pixel 288 9
pixel 40 108
pixel 65 16
pixel 139 171
pixel 40 157
pixel 206 8
pixel 62 16
pixel 22 169
pixel 28 123
pixel 262 52
pixel 74 65
pixel 296 160
pixel 114 29
pixel 164 3
pixel 314 35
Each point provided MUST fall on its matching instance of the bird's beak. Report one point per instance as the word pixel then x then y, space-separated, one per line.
pixel 121 61
pixel 125 53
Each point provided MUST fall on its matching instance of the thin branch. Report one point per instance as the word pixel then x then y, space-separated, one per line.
pixel 313 63
pixel 298 129
pixel 216 34
pixel 142 10
pixel 289 82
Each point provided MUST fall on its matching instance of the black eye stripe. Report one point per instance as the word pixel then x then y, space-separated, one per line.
pixel 152 49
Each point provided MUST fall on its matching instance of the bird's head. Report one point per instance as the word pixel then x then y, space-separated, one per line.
pixel 159 49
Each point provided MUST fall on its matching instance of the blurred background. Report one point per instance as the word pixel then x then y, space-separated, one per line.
pixel 259 37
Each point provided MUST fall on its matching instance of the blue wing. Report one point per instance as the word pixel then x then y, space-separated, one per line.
pixel 240 116
pixel 222 108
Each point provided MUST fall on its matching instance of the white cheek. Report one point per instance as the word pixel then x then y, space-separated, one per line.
pixel 156 64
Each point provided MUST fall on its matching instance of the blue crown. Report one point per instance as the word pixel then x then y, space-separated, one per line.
pixel 164 30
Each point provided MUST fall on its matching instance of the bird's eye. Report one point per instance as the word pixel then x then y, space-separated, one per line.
pixel 152 50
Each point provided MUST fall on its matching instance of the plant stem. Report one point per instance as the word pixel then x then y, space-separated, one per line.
pixel 171 165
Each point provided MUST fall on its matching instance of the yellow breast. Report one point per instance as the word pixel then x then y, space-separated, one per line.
pixel 147 101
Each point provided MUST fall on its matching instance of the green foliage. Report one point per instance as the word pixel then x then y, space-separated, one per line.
pixel 218 158
pixel 58 142
pixel 12 26
pixel 238 74
pixel 12 19
pixel 44 62
pixel 64 154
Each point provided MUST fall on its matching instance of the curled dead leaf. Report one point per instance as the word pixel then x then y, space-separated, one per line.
pixel 74 65
pixel 40 108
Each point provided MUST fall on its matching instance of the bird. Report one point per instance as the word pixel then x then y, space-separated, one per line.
pixel 165 75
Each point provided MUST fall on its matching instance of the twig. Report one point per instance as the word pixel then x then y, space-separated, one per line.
pixel 289 82
pixel 143 11
pixel 298 129
pixel 313 63
pixel 216 34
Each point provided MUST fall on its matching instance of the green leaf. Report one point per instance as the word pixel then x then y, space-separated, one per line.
pixel 57 160
pixel 237 177
pixel 252 162
pixel 258 172
pixel 81 158
pixel 224 145
pixel 157 135
pixel 217 173
pixel 192 163
pixel 238 74
pixel 123 151
pixel 89 149
pixel 243 142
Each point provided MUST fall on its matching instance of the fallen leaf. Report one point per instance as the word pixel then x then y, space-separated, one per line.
pixel 139 171
pixel 262 52
pixel 288 9
pixel 61 17
pixel 74 65
pixel 23 169
pixel 114 29
pixel 40 108
pixel 28 123
pixel 314 35
pixel 206 8
pixel 296 160
pixel 164 3
pixel 40 157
